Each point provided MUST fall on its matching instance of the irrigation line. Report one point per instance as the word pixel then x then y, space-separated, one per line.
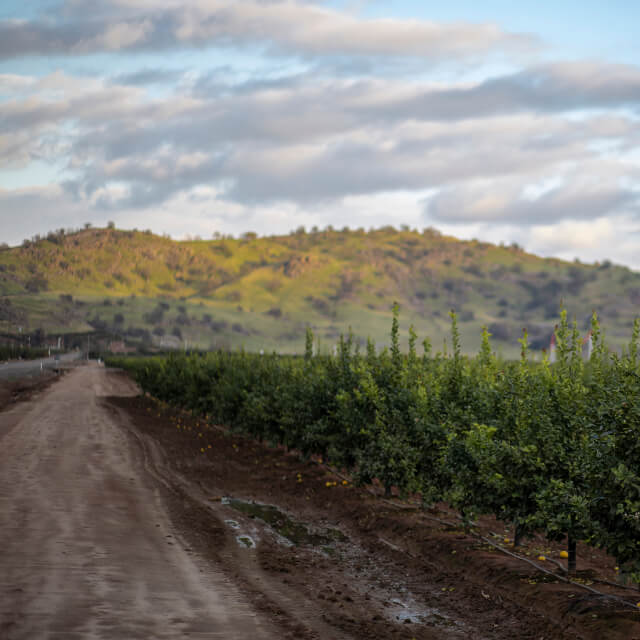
pixel 396 548
pixel 495 546
pixel 555 575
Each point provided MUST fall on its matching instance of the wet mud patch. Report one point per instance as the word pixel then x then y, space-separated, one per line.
pixel 297 533
pixel 246 541
pixel 411 613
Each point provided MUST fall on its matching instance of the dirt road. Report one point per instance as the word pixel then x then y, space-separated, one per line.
pixel 87 549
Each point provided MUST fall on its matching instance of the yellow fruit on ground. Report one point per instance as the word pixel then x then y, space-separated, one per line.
pixel 564 554
pixel 543 558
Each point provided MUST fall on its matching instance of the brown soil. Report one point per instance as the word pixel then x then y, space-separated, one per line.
pixel 12 391
pixel 392 571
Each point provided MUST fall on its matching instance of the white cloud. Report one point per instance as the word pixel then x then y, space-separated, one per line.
pixel 316 142
pixel 37 210
pixel 117 37
pixel 569 236
pixel 612 238
pixel 575 195
pixel 286 26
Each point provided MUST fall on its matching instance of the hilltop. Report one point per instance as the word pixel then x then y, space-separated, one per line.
pixel 262 292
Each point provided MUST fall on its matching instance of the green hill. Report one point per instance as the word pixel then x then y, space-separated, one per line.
pixel 261 293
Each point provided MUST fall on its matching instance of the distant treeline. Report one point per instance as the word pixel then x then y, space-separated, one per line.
pixel 16 352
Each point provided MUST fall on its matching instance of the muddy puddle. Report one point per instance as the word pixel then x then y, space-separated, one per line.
pixel 246 541
pixel 410 612
pixel 296 533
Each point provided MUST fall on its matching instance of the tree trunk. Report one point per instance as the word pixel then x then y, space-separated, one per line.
pixel 517 534
pixel 571 550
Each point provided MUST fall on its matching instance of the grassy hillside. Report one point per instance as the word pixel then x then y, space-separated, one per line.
pixel 263 292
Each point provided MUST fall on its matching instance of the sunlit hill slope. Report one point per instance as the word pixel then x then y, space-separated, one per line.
pixel 261 293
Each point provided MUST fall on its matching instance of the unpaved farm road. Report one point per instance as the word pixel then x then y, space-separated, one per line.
pixel 124 518
pixel 87 549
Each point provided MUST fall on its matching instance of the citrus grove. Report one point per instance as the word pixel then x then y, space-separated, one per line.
pixel 553 448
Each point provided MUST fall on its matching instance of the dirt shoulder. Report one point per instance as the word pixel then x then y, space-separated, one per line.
pixel 332 561
pixel 17 390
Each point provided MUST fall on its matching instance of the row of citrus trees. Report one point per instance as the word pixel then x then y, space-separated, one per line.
pixel 552 448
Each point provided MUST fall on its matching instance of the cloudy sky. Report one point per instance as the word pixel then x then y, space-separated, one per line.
pixel 194 116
